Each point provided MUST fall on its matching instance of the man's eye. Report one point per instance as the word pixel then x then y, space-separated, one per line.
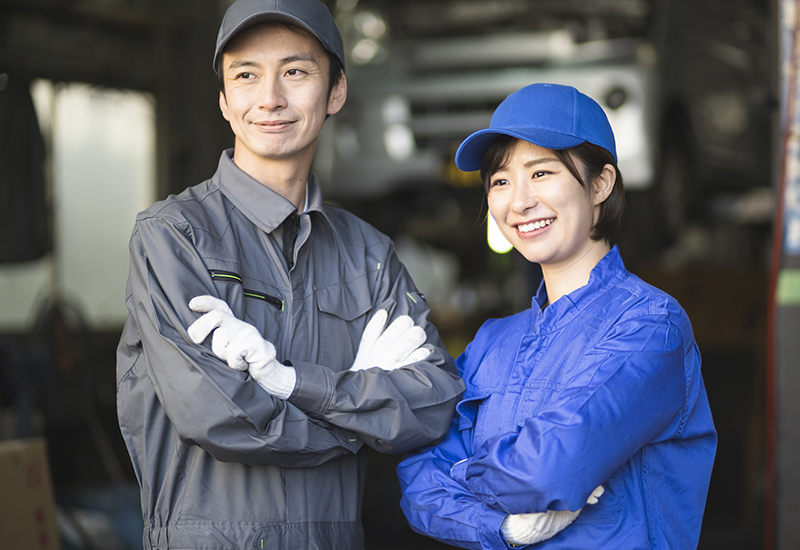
pixel 293 72
pixel 244 76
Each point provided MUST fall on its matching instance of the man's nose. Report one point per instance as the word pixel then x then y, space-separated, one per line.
pixel 272 94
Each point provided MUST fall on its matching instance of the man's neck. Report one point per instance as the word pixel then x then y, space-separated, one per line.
pixel 287 178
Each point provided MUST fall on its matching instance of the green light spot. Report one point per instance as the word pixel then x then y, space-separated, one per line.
pixel 788 291
pixel 410 296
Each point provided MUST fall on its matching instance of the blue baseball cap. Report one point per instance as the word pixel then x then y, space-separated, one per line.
pixel 548 115
pixel 311 15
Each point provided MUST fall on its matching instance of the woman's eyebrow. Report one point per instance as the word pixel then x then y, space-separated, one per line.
pixel 534 162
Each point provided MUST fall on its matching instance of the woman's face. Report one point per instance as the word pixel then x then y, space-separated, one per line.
pixel 543 210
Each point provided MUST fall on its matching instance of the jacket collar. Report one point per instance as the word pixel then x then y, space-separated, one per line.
pixel 609 271
pixel 262 206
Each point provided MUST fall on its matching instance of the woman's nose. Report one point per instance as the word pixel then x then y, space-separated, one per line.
pixel 524 198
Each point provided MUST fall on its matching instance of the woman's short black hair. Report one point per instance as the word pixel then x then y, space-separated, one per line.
pixel 592 157
pixel 335 68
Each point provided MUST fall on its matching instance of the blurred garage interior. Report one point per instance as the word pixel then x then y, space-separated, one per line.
pixel 109 105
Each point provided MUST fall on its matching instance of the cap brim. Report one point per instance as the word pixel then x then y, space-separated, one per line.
pixel 469 156
pixel 279 17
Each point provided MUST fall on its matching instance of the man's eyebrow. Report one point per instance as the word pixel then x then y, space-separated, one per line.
pixel 239 63
pixel 300 57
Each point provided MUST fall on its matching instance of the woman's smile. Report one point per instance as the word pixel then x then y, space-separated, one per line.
pixel 527 228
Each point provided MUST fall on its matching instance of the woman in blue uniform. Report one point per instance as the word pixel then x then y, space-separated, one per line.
pixel 585 422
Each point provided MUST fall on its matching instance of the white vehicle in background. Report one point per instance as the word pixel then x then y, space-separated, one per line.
pixel 404 118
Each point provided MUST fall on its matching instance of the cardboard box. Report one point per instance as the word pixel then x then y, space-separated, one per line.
pixel 27 505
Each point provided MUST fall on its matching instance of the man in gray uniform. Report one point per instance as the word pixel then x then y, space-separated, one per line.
pixel 250 429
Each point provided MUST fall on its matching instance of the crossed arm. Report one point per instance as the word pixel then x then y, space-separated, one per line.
pixel 469 496
pixel 241 346
pixel 213 406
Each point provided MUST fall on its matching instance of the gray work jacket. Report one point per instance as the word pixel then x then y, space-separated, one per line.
pixel 221 463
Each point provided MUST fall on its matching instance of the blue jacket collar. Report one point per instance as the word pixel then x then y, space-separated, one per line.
pixel 609 271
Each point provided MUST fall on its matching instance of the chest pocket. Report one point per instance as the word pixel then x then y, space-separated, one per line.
pixel 339 307
pixel 533 400
pixel 255 302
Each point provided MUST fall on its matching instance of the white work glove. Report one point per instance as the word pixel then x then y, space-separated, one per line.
pixel 394 347
pixel 524 529
pixel 240 345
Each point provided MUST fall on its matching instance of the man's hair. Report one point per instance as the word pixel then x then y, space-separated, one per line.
pixel 592 157
pixel 335 69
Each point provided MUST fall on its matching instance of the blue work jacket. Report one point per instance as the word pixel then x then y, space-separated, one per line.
pixel 603 387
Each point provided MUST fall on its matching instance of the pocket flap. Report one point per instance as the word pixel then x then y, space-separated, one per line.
pixel 347 302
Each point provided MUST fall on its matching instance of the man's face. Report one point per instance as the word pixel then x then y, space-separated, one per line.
pixel 276 94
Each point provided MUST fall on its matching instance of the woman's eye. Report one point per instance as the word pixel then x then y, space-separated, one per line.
pixel 498 182
pixel 539 174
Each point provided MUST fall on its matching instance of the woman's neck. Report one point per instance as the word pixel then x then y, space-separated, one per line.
pixel 565 277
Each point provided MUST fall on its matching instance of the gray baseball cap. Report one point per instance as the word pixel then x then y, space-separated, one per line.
pixel 311 15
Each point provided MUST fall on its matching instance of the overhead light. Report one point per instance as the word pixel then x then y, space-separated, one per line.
pixel 370 25
pixel 395 109
pixel 399 141
pixel 365 51
pixel 497 241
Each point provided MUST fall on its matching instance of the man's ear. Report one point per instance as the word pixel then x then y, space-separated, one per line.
pixel 337 96
pixel 604 184
pixel 223 106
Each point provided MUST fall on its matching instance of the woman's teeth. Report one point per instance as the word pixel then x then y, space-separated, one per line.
pixel 527 227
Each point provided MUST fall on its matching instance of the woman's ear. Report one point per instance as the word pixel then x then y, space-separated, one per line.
pixel 604 184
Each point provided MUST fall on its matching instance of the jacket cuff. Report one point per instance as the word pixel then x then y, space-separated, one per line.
pixel 314 389
pixel 490 532
pixel 458 472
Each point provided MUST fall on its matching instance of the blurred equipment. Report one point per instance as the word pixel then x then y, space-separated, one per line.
pixel 717 103
pixel 441 69
pixel 27 506
pixel 24 213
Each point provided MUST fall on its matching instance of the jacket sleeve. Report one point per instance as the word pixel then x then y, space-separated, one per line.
pixel 439 507
pixel 207 403
pixel 645 377
pixel 393 411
